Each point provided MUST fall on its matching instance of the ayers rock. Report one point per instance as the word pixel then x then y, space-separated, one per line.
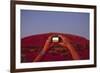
pixel 31 46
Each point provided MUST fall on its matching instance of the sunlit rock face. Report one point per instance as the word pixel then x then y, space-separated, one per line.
pixel 55 39
pixel 31 47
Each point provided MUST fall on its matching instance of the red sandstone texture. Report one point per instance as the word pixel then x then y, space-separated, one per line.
pixel 31 47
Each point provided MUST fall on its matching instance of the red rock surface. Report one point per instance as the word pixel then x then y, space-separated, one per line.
pixel 31 46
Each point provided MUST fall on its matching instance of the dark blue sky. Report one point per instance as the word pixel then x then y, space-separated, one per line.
pixel 36 22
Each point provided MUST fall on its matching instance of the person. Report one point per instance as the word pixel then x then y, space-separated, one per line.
pixel 65 42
